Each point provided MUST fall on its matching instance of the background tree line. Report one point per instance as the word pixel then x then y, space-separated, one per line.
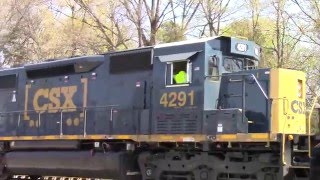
pixel 35 30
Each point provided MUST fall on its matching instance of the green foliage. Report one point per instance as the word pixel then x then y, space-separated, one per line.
pixel 261 35
pixel 170 32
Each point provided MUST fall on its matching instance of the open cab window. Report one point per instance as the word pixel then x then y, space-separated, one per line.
pixel 213 68
pixel 178 73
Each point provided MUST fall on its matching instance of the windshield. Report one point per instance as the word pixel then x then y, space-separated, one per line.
pixel 234 64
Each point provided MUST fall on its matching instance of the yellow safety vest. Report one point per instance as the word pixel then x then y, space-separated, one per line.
pixel 181 77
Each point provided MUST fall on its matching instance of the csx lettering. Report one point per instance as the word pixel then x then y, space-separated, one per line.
pixel 54 96
pixel 298 107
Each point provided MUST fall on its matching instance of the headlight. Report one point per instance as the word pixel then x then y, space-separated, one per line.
pixel 241 47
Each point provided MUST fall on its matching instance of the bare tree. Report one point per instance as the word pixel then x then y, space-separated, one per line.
pixel 136 17
pixel 213 12
pixel 284 42
pixel 310 19
pixel 109 25
pixel 183 12
pixel 307 22
pixel 177 24
pixel 20 41
pixel 255 12
pixel 147 28
pixel 109 32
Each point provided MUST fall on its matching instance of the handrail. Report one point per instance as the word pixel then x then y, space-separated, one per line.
pixel 61 126
pixel 315 99
pixel 248 74
pixel 260 87
pixel 61 109
pixel 85 123
pixel 108 108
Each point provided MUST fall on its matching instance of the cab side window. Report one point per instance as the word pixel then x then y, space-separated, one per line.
pixel 213 70
pixel 178 73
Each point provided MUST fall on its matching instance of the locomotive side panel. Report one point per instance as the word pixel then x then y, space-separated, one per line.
pixel 129 79
pixel 47 99
pixel 55 98
pixel 178 106
pixel 9 101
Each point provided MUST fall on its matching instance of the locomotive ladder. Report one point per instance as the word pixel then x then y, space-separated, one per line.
pixel 244 78
pixel 302 166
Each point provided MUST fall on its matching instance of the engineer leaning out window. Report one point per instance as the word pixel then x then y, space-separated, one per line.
pixel 179 72
pixel 181 77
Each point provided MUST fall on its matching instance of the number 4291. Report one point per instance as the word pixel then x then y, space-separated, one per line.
pixel 177 99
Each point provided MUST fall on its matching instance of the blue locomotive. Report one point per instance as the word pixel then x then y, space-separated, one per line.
pixel 191 110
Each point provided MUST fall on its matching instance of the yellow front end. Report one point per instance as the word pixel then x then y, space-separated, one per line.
pixel 288 107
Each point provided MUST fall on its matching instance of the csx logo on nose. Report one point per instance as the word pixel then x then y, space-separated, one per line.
pixel 298 107
pixel 54 97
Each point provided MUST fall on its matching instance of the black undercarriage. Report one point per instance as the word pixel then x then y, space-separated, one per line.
pixel 158 161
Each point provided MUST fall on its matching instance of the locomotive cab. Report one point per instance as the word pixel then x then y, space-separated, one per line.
pixel 187 82
pixel 279 110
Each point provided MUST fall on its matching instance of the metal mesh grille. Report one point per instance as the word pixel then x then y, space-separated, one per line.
pixel 178 123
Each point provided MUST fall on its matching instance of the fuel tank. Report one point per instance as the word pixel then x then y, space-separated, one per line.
pixel 110 165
